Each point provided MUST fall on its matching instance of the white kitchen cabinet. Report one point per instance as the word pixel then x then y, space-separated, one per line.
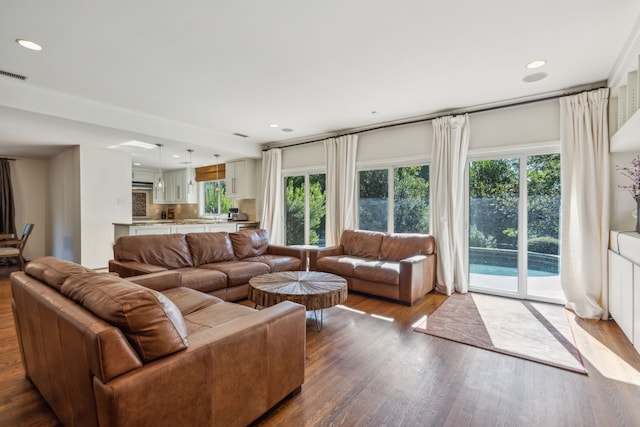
pixel 229 227
pixel 176 187
pixel 621 293
pixel 188 228
pixel 240 179
pixel 142 230
pixel 142 175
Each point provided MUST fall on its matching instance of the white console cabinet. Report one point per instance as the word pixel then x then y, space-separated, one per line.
pixel 624 283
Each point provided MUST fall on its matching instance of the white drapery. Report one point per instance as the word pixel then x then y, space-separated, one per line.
pixel 449 160
pixel 272 201
pixel 341 186
pixel 585 202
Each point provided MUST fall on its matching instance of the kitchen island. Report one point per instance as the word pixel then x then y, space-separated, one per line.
pixel 184 226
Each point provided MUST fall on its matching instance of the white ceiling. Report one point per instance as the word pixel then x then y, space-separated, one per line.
pixel 190 74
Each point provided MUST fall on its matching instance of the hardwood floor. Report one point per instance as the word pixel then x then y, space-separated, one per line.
pixel 368 368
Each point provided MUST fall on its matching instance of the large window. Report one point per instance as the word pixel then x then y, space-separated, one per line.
pixel 305 209
pixel 214 201
pixel 406 212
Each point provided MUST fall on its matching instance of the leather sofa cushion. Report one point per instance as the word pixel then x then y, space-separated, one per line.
pixel 396 247
pixel 360 243
pixel 166 250
pixel 189 300
pixel 339 264
pixel 379 272
pixel 249 243
pixel 54 271
pixel 151 322
pixel 210 247
pixel 277 263
pixel 201 279
pixel 238 272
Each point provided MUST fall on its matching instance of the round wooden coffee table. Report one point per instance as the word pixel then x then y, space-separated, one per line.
pixel 313 289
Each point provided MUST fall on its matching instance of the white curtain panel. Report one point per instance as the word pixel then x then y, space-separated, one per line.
pixel 585 202
pixel 272 201
pixel 341 186
pixel 450 147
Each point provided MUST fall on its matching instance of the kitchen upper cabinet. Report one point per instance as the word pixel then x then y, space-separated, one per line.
pixel 142 175
pixel 176 187
pixel 240 179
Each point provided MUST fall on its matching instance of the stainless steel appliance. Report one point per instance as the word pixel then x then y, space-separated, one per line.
pixel 236 215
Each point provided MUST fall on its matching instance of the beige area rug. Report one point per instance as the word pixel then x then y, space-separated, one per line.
pixel 529 330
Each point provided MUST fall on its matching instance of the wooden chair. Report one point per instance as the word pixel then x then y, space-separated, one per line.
pixel 11 247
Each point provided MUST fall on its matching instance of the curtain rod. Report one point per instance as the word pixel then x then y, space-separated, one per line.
pixel 7 158
pixel 437 116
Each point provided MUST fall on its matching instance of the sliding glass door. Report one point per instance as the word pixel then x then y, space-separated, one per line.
pixel 494 196
pixel 514 223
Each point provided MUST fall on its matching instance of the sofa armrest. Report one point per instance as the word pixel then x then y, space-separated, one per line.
pixel 316 254
pixel 132 268
pixel 230 374
pixel 417 277
pixel 291 251
pixel 158 281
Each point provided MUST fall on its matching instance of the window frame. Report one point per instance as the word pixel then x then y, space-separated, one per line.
pixel 390 166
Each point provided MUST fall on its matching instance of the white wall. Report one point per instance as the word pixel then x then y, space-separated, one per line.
pixel 105 198
pixel 64 205
pixel 29 178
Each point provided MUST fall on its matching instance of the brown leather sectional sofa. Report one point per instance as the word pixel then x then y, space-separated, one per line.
pixel 398 266
pixel 218 263
pixel 104 351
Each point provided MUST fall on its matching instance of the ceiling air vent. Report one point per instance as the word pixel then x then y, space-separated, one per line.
pixel 241 135
pixel 14 75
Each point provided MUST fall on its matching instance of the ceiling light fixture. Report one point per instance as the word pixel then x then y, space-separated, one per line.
pixel 28 44
pixel 190 178
pixel 273 125
pixel 536 64
pixel 160 184
pixel 139 144
pixel 175 156
pixel 137 164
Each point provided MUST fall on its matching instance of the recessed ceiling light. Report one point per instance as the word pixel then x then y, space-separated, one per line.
pixel 534 77
pixel 137 164
pixel 536 64
pixel 28 44
pixel 273 125
pixel 175 156
pixel 139 144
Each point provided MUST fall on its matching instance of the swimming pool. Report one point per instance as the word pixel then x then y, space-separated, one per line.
pixel 496 270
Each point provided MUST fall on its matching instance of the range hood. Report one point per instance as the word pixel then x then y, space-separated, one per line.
pixel 141 185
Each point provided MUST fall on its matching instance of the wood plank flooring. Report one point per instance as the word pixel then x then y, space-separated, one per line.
pixel 368 368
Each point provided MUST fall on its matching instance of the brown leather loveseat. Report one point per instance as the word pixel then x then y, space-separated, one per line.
pixel 104 351
pixel 398 266
pixel 218 263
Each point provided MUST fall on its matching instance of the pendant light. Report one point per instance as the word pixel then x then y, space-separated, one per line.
pixel 160 183
pixel 190 178
pixel 217 156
